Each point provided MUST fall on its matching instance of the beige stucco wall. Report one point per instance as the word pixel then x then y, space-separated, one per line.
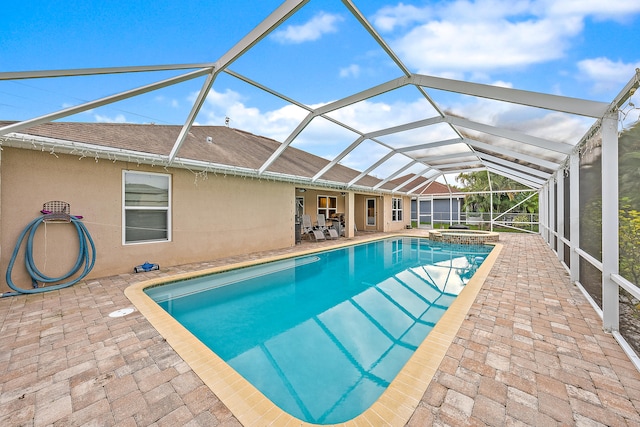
pixel 383 213
pixel 383 209
pixel 310 196
pixel 389 224
pixel 212 218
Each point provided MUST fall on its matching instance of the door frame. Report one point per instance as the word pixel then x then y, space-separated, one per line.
pixel 366 212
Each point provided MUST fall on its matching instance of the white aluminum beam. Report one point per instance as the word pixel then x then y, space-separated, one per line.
pixel 627 91
pixel 370 168
pixel 18 126
pixel 371 92
pixel 367 26
pixel 337 159
pixel 577 106
pixel 457 164
pixel 267 89
pixel 574 215
pixel 610 223
pixel 406 127
pixel 432 159
pixel 427 145
pixel 533 186
pixel 271 22
pixel 424 184
pixel 465 170
pixel 381 42
pixel 371 135
pixel 393 175
pixel 195 109
pixel 516 176
pixel 299 104
pixel 413 178
pixel 552 210
pixel 542 217
pixel 559 147
pixel 274 156
pixel 43 74
pixel 365 94
pixel 523 168
pixel 514 154
pixel 560 214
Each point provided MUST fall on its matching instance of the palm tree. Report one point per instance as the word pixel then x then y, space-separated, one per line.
pixel 476 182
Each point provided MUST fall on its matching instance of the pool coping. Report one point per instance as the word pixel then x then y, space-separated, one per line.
pixel 393 408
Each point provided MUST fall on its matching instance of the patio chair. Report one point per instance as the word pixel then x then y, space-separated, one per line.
pixel 322 226
pixel 308 230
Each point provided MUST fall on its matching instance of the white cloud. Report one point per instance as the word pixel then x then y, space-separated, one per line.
pixel 596 9
pixel 276 124
pixel 455 38
pixel 320 24
pixel 119 118
pixel 376 114
pixel 606 74
pixel 390 17
pixel 352 70
pixel 563 128
pixel 556 126
pixel 481 45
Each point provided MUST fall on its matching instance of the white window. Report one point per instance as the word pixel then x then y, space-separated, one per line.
pixel 146 207
pixel 396 209
pixel 327 205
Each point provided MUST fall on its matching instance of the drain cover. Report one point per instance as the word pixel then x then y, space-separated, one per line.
pixel 121 312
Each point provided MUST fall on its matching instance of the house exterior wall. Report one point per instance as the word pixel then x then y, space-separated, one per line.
pixel 361 213
pixel 310 197
pixel 384 216
pixel 389 224
pixel 212 217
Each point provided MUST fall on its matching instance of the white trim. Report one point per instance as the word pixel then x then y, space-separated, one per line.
pixel 397 210
pixel 168 208
pixel 366 212
pixel 610 212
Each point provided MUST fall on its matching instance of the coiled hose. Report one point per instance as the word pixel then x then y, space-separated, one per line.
pixel 85 257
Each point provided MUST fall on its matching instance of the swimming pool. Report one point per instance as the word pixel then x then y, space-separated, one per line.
pixel 353 316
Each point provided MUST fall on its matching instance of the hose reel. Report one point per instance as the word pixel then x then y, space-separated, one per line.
pixel 54 211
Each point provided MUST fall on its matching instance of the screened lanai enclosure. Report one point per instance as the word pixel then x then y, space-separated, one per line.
pixel 589 206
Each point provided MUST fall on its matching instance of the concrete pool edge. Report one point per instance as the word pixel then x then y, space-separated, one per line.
pixel 394 407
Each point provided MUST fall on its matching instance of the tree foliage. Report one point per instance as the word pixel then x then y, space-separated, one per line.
pixel 475 182
pixel 629 219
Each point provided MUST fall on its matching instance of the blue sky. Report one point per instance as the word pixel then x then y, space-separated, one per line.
pixel 578 48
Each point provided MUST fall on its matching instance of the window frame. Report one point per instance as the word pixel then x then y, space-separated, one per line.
pixel 167 209
pixel 397 209
pixel 327 210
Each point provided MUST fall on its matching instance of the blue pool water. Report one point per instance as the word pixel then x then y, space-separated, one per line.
pixel 323 335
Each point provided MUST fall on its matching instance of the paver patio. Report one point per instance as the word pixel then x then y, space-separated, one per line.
pixel 530 352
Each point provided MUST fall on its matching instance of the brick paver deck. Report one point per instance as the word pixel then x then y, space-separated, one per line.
pixel 531 352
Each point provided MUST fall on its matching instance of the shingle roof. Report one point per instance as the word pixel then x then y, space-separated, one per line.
pixel 426 187
pixel 228 146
